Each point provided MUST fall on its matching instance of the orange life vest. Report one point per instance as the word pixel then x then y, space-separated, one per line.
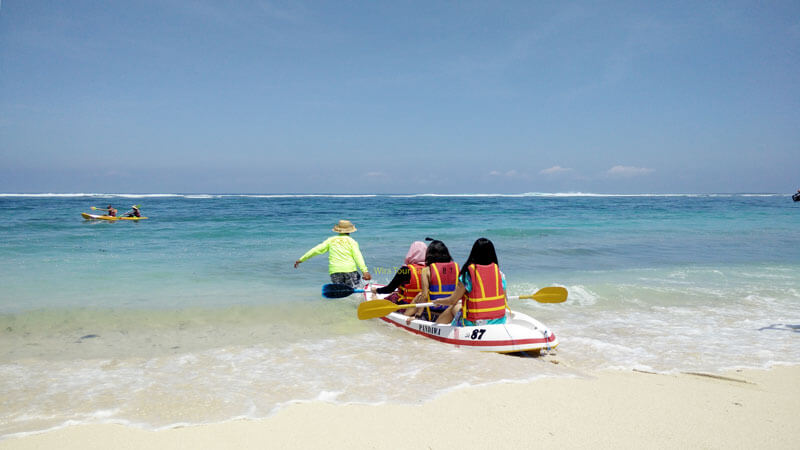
pixel 487 299
pixel 444 277
pixel 414 286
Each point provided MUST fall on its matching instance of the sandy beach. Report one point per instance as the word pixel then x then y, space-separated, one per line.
pixel 630 409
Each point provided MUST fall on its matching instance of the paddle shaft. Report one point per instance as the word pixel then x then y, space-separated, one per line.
pixel 379 308
pixel 539 296
pixel 416 305
pixel 510 297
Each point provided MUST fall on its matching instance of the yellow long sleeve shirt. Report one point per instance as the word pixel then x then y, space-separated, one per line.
pixel 343 254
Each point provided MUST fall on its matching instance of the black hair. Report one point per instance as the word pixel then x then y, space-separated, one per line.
pixel 482 253
pixel 437 253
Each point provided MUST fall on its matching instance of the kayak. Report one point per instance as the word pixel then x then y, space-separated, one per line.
pixel 99 217
pixel 520 333
pixel 796 197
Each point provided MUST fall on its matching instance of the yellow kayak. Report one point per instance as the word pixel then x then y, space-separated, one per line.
pixel 98 217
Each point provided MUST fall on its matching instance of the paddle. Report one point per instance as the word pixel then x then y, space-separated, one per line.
pixel 379 308
pixel 546 295
pixel 338 290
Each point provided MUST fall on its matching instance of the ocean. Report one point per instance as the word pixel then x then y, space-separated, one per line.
pixel 196 315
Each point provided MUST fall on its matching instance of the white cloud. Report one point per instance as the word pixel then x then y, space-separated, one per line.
pixel 375 174
pixel 508 174
pixel 628 171
pixel 555 170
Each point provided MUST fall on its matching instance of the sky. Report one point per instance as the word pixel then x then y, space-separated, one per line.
pixel 204 96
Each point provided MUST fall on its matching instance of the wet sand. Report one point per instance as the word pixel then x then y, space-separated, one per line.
pixel 630 409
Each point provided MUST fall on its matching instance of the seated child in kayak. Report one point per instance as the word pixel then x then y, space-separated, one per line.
pixel 483 288
pixel 344 256
pixel 439 280
pixel 111 211
pixel 407 280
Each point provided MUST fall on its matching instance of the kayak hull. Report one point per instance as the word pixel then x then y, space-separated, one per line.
pixel 520 333
pixel 110 218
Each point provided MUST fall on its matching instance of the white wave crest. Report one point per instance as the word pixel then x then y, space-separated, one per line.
pixel 582 296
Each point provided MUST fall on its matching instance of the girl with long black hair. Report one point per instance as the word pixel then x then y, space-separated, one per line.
pixel 439 280
pixel 482 287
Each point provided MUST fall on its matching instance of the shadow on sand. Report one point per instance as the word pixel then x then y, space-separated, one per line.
pixel 782 326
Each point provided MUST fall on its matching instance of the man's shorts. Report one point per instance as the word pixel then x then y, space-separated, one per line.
pixel 352 279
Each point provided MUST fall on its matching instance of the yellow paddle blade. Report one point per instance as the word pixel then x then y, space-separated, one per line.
pixel 377 308
pixel 549 295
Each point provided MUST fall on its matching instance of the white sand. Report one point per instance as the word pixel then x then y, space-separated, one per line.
pixel 748 409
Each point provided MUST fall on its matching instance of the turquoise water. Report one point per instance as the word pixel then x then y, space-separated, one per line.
pixel 199 305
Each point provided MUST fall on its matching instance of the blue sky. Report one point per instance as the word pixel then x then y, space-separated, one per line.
pixel 399 97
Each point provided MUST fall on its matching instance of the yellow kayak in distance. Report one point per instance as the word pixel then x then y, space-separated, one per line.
pixel 99 217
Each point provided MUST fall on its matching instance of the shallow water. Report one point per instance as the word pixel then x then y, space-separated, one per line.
pixel 196 314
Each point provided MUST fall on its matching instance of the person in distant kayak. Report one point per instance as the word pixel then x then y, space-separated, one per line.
pixel 439 280
pixel 134 213
pixel 111 211
pixel 408 278
pixel 344 256
pixel 483 288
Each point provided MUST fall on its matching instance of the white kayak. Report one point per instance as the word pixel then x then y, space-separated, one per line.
pixel 520 333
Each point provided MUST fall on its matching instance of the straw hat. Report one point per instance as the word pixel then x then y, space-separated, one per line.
pixel 344 226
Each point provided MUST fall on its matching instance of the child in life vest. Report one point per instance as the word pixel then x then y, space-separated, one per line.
pixel 408 279
pixel 483 288
pixel 344 256
pixel 439 280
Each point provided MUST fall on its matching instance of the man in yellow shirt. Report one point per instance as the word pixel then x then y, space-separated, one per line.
pixel 344 256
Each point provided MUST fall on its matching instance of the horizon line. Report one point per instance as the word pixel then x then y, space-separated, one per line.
pixel 428 194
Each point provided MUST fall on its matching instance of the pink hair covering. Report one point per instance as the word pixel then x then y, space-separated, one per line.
pixel 416 253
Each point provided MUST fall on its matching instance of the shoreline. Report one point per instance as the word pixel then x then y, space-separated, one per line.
pixel 609 409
